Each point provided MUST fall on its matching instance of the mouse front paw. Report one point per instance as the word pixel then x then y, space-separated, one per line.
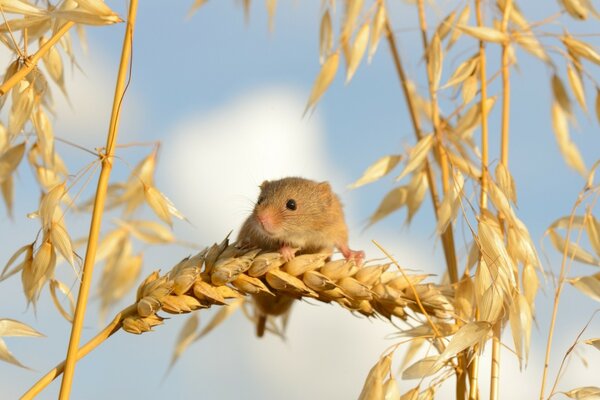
pixel 288 252
pixel 357 255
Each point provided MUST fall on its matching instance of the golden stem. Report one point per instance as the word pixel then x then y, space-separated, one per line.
pixel 474 379
pixel 32 61
pixel 111 328
pixel 473 376
pixel 439 152
pixel 557 293
pixel 90 256
pixel 495 367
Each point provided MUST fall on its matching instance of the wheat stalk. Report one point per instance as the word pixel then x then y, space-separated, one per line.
pixel 224 271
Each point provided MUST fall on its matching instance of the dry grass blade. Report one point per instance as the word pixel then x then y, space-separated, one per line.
pixel 560 94
pixel 378 28
pixel 582 49
pixel 10 159
pixel 568 149
pixel 584 393
pixel 576 86
pixel 161 205
pixel 271 6
pixel 325 37
pixel 572 249
pixel 10 327
pixel 592 227
pixel 66 291
pixel 394 200
pixel 377 170
pixel 593 342
pixel 323 80
pixel 462 19
pixel 467 336
pixel 373 387
pixel 588 285
pixel 422 368
pixel 435 57
pixel 148 231
pixel 484 33
pixel 358 50
pixel 463 71
pixel 417 155
pixel 49 204
pixel 28 250
pixel 575 9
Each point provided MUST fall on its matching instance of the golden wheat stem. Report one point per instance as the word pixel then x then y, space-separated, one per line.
pixel 447 235
pixel 31 62
pixel 557 293
pixel 504 136
pixel 495 374
pixel 104 334
pixel 440 154
pixel 90 256
pixel 474 368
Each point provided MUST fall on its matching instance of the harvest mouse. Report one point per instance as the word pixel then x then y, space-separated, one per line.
pixel 295 216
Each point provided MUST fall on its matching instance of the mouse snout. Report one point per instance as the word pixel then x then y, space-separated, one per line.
pixel 266 220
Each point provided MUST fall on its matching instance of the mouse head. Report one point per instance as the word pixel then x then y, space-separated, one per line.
pixel 292 205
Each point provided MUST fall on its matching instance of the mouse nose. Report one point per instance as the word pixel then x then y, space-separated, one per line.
pixel 266 220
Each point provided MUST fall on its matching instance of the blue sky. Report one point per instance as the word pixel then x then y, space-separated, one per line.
pixel 225 99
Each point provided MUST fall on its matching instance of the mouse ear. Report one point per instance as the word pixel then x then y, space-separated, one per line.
pixel 324 186
pixel 325 189
pixel 263 185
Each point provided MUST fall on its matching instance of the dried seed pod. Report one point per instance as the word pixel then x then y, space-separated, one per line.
pixel 306 262
pixel 338 269
pixel 369 275
pixel 180 304
pixel 208 293
pixel 355 289
pixel 148 306
pixel 317 281
pixel 265 262
pixel 283 281
pixel 249 285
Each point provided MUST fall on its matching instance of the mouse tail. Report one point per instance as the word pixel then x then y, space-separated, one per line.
pixel 261 325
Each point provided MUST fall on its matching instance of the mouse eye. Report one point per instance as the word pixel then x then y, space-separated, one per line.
pixel 291 204
pixel 260 200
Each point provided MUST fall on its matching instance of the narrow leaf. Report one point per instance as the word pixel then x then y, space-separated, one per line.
pixel 377 170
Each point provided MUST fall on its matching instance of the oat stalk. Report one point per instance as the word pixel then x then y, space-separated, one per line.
pixel 557 293
pixel 504 136
pixel 100 198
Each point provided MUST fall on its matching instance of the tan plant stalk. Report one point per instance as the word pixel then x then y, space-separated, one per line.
pixel 90 256
pixel 107 332
pixel 474 367
pixel 504 136
pixel 447 235
pixel 31 62
pixel 441 156
pixel 557 293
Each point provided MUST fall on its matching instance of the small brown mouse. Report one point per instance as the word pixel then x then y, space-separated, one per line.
pixel 295 216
